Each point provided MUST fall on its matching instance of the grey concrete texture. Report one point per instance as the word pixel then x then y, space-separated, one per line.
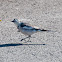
pixel 45 14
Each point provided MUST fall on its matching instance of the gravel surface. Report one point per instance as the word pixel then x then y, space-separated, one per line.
pixel 45 14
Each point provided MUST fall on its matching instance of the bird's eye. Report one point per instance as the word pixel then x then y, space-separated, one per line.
pixel 14 19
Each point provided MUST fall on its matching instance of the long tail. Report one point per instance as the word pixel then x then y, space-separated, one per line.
pixel 42 30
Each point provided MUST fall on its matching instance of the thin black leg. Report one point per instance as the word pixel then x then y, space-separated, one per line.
pixel 29 39
pixel 25 38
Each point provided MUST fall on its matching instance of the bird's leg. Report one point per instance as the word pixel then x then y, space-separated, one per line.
pixel 25 38
pixel 29 38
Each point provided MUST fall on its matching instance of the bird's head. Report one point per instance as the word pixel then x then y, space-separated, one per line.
pixel 16 22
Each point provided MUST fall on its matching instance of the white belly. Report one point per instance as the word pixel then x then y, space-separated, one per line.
pixel 26 32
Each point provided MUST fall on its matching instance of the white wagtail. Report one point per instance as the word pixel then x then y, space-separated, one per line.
pixel 26 29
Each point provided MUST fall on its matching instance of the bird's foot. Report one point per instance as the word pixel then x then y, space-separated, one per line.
pixel 27 41
pixel 21 39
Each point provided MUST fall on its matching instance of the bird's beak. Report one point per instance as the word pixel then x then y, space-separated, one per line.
pixel 12 21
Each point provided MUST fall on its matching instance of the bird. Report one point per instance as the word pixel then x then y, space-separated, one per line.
pixel 26 29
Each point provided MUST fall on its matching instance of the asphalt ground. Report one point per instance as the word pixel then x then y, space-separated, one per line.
pixel 46 46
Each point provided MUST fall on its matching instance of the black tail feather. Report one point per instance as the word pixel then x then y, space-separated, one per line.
pixel 41 30
pixel 44 30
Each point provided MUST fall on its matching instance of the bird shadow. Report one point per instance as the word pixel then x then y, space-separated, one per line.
pixel 17 44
